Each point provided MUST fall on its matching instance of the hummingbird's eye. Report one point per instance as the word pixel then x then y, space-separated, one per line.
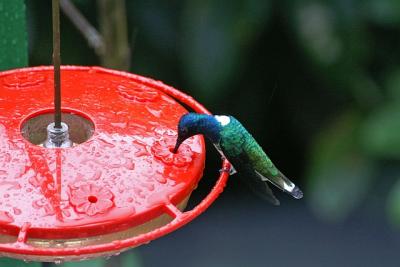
pixel 185 131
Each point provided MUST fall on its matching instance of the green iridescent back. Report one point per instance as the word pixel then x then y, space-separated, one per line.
pixel 237 142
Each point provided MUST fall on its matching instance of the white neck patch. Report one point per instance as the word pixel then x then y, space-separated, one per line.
pixel 223 120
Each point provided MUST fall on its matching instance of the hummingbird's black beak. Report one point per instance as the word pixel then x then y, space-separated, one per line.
pixel 177 145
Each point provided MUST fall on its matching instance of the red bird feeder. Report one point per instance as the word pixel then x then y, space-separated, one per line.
pixel 117 187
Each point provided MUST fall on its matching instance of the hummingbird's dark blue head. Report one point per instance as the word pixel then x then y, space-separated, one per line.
pixel 193 123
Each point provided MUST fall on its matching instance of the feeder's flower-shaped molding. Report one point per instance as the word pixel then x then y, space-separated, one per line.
pixel 91 199
pixel 23 80
pixel 162 150
pixel 138 92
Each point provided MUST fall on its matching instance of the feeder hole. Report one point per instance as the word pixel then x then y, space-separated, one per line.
pixel 92 199
pixel 34 129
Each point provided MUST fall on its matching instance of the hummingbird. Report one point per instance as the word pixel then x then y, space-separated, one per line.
pixel 237 145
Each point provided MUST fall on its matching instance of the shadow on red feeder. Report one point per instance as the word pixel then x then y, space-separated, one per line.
pixel 118 187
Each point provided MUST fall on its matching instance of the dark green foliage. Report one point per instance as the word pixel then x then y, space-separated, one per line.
pixel 13 41
pixel 340 175
pixel 216 39
pixel 18 263
pixel 349 46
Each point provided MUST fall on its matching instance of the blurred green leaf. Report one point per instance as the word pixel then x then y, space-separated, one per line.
pixel 131 259
pixel 317 29
pixel 339 175
pixel 14 39
pixel 330 32
pixel 381 132
pixel 394 204
pixel 392 84
pixel 336 140
pixel 333 38
pixel 7 262
pixel 216 36
pixel 384 12
pixel 101 262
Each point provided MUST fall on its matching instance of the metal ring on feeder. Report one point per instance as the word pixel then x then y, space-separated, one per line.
pixel 117 187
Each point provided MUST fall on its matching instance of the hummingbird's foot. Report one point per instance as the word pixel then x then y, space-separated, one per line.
pixel 225 169
pixel 231 170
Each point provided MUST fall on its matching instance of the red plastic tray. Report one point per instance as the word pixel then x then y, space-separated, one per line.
pixel 123 176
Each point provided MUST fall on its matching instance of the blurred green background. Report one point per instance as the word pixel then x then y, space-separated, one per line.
pixel 316 82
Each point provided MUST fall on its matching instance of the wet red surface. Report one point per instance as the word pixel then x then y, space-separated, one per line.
pixel 123 175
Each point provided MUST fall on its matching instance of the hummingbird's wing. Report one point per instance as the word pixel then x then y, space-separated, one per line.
pixel 266 170
pixel 260 188
pixel 252 180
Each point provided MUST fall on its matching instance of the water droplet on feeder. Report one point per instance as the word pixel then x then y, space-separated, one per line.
pixel 17 211
pixel 106 143
pixel 149 186
pixel 129 164
pixel 37 204
pixel 161 179
pixel 97 175
pixel 156 113
pixel 34 181
pixel 121 125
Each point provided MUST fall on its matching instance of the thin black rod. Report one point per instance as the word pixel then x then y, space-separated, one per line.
pixel 56 63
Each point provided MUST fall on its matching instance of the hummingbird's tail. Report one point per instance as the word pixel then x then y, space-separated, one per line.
pixel 296 192
pixel 283 183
